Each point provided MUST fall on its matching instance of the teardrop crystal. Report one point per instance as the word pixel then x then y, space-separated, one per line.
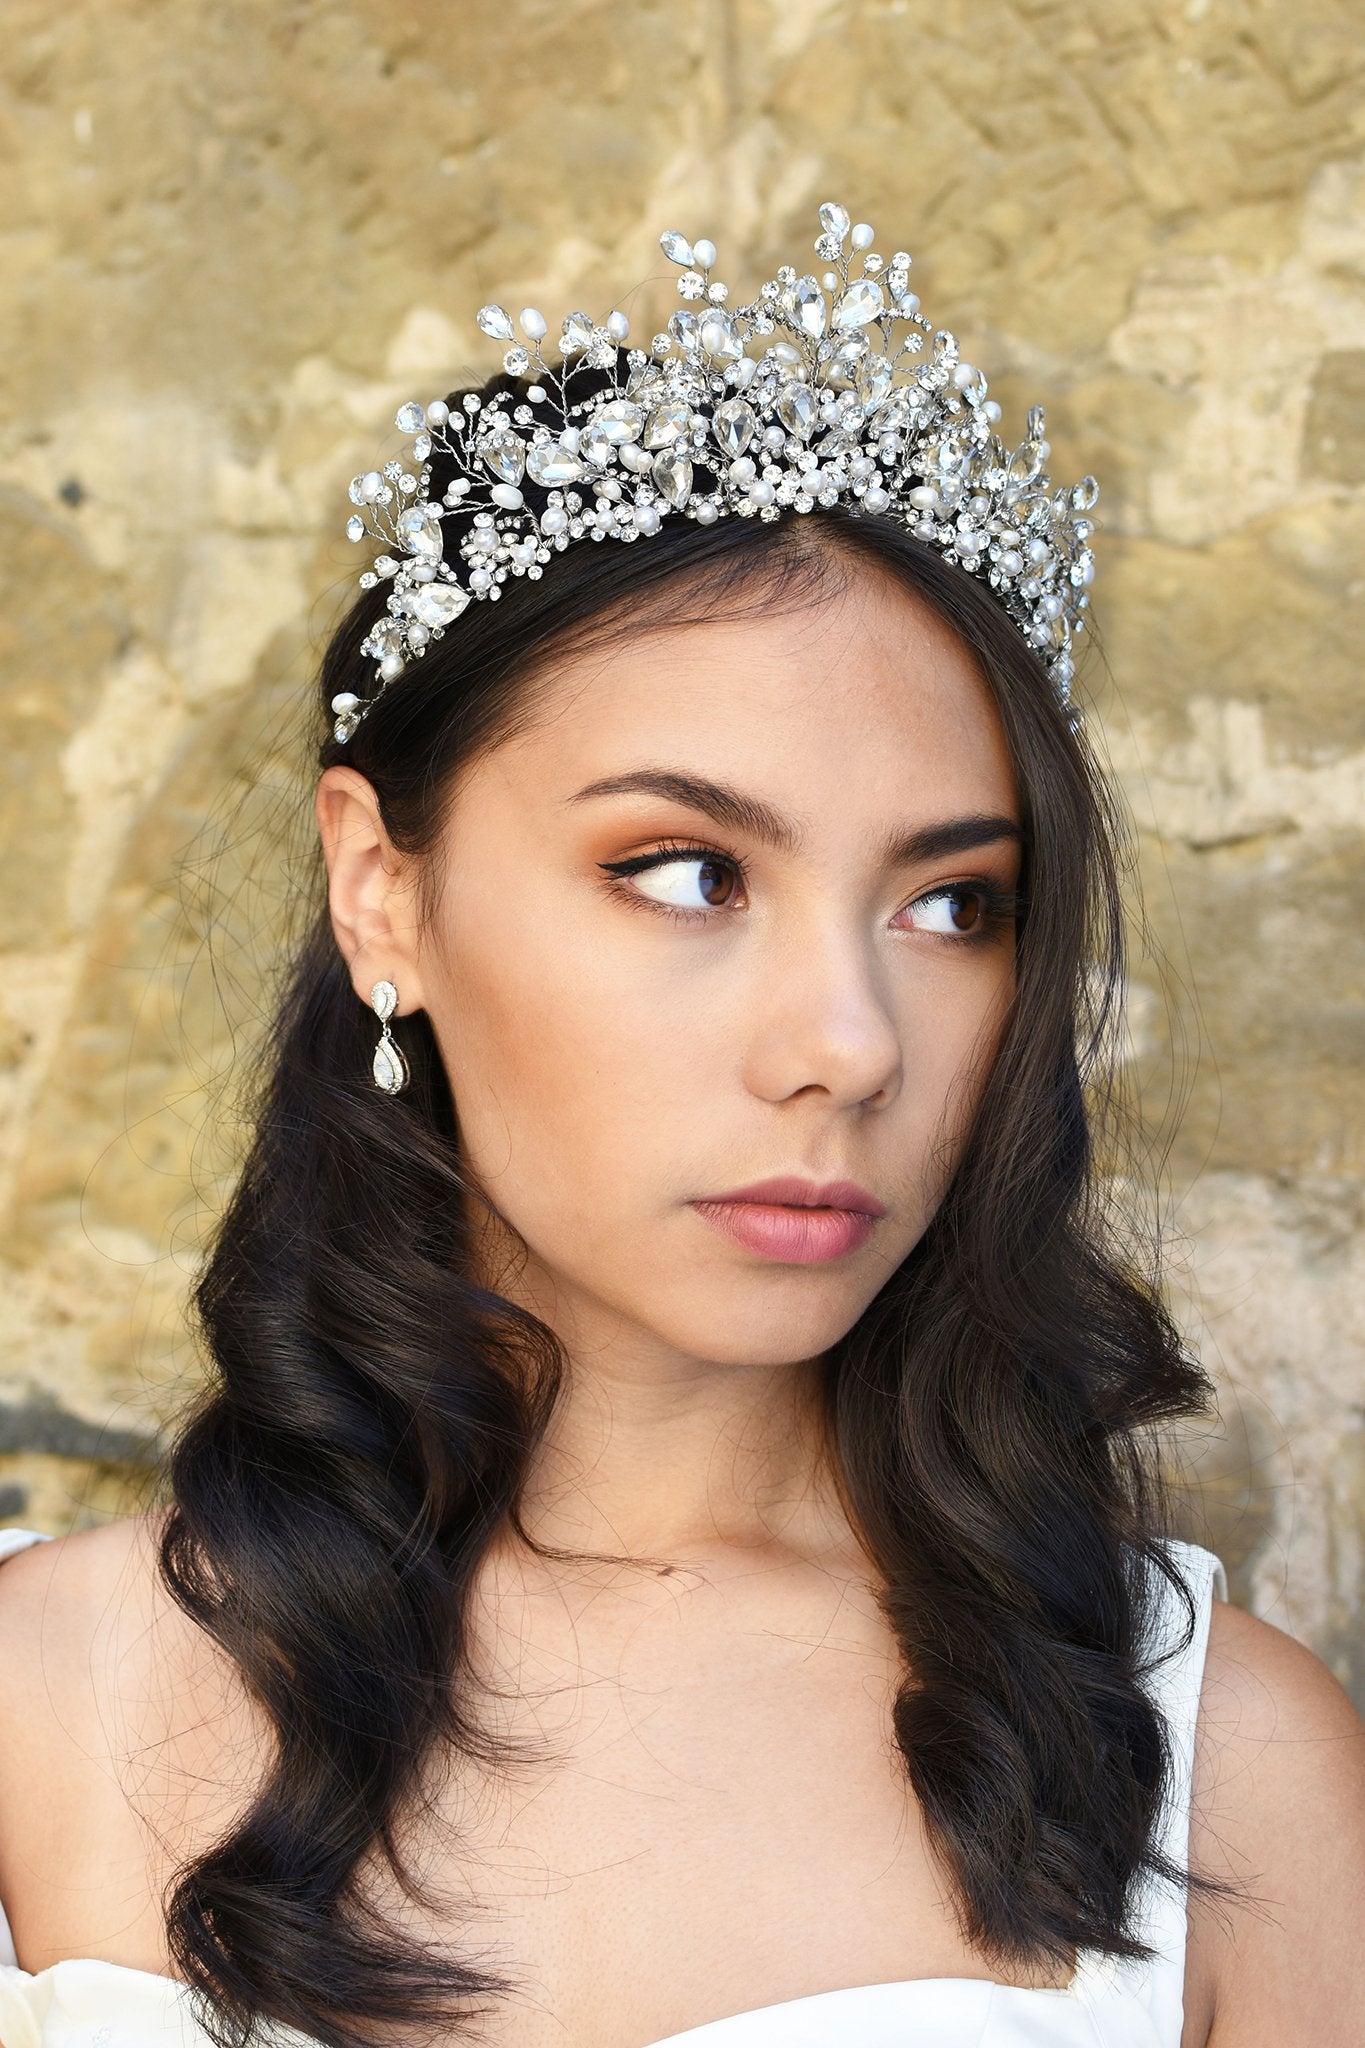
pixel 667 423
pixel 550 463
pixel 1086 494
pixel 685 329
pixel 383 997
pixel 436 604
pixel 1026 463
pixel 862 302
pixel 390 1069
pixel 410 418
pixel 494 322
pixel 810 306
pixel 735 424
pixel 796 410
pixel 673 477
pixel 872 381
pixel 420 530
pixel 505 455
pixel 621 419
pixel 596 445
pixel 834 220
pixel 575 334
pixel 385 639
pixel 675 247
pixel 896 408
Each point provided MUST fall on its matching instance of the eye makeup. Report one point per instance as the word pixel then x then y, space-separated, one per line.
pixel 671 853
pixel 990 909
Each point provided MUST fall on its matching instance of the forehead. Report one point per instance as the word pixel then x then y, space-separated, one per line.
pixel 856 701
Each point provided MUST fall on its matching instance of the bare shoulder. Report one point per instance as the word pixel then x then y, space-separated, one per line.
pixel 57 1599
pixel 122 1728
pixel 76 1628
pixel 1278 1813
pixel 88 1557
pixel 87 1625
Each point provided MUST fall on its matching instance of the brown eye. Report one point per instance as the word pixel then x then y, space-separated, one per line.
pixel 716 881
pixel 960 912
pixel 691 883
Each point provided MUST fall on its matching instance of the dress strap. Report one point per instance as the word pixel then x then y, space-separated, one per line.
pixel 1176 1676
pixel 12 1541
pixel 1174 1661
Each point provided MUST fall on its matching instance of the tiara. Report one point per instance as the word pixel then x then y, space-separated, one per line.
pixel 782 404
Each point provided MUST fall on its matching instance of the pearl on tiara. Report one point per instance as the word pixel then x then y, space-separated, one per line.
pixel 782 404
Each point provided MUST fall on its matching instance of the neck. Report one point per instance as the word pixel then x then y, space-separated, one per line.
pixel 655 1453
pixel 698 1465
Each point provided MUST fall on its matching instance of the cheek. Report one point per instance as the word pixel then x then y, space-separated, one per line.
pixel 575 1078
pixel 950 1048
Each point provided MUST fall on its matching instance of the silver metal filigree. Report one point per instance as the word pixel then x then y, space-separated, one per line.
pixel 820 391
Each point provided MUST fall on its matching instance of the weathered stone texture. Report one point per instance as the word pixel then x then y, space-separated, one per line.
pixel 231 241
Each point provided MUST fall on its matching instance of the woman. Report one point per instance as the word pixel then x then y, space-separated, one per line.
pixel 668 1551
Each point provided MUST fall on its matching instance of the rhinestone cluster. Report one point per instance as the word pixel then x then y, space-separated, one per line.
pixel 822 390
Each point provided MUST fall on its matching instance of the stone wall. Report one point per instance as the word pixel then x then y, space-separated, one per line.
pixel 232 240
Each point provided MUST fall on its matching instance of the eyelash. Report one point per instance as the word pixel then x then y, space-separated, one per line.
pixel 1000 907
pixel 671 850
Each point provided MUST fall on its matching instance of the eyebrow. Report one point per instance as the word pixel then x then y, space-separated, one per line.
pixel 738 812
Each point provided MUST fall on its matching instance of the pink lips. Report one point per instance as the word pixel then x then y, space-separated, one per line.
pixel 794 1221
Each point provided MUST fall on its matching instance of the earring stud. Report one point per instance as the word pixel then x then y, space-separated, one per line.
pixel 390 1068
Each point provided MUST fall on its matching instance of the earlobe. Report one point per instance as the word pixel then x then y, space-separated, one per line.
pixel 370 888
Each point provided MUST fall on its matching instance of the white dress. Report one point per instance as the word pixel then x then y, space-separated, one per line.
pixel 84 2004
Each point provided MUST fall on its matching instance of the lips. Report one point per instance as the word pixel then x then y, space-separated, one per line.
pixel 790 1190
pixel 797 1222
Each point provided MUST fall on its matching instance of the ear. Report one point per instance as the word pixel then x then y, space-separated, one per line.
pixel 371 889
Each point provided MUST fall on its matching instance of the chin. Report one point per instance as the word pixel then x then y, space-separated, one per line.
pixel 761 1324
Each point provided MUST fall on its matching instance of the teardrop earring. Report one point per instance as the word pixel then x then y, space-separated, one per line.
pixel 390 1067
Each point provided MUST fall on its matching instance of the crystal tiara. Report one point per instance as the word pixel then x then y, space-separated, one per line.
pixel 819 391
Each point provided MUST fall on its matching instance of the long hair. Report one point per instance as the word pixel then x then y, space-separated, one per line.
pixel 371 1410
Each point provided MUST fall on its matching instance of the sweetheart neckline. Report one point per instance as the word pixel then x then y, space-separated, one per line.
pixel 985 1988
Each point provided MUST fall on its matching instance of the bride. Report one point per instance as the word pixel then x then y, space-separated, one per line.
pixel 669 1550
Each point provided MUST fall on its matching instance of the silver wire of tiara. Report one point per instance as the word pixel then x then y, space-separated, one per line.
pixel 697 425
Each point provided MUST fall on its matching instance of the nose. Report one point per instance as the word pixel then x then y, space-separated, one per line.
pixel 821 1018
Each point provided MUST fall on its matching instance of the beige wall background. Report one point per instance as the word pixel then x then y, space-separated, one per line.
pixel 232 240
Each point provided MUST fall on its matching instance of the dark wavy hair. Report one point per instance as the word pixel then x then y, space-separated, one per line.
pixel 371 1410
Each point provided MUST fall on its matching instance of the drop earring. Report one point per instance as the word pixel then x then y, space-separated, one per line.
pixel 390 1067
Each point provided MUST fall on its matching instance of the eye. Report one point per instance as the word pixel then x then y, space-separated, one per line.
pixel 963 911
pixel 696 883
pixel 682 879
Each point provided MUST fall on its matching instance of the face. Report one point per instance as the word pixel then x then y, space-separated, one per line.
pixel 736 906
